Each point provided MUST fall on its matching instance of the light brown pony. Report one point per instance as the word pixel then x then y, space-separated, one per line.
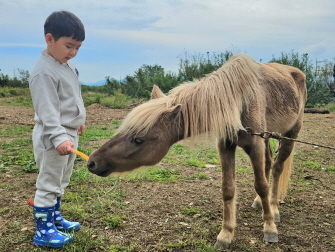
pixel 241 94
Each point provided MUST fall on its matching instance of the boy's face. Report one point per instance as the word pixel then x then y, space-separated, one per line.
pixel 62 50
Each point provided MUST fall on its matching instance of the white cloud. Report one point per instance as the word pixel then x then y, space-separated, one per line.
pixel 158 31
pixel 21 45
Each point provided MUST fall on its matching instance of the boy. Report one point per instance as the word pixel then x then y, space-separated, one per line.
pixel 60 115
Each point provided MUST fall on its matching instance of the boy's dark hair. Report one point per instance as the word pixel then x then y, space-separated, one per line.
pixel 64 24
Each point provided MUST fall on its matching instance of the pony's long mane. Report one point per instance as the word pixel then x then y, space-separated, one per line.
pixel 213 103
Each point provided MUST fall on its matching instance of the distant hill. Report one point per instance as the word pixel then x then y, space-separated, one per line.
pixel 98 83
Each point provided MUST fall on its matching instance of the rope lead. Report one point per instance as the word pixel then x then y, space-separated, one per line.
pixel 278 136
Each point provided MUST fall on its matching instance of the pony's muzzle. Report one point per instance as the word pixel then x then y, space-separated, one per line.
pixel 102 171
pixel 92 167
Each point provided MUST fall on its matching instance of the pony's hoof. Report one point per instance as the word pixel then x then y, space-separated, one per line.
pixel 270 237
pixel 256 205
pixel 219 245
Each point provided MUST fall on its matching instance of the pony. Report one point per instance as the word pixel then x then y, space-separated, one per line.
pixel 242 96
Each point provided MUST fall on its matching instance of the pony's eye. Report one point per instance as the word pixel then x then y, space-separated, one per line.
pixel 137 140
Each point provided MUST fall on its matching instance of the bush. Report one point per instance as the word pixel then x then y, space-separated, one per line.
pixel 118 101
pixel 90 98
pixel 13 92
pixel 9 92
pixel 331 108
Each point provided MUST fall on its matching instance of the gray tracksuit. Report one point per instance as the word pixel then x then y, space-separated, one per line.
pixel 59 112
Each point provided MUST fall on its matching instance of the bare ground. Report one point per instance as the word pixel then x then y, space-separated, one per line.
pixel 153 209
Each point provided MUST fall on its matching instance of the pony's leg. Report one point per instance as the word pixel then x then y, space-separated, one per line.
pixel 257 204
pixel 227 159
pixel 256 152
pixel 281 170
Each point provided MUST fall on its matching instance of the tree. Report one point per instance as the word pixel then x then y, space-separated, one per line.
pixel 324 75
pixel 197 66
pixel 111 86
pixel 130 86
pixel 4 79
pixel 24 77
pixel 140 84
pixel 21 82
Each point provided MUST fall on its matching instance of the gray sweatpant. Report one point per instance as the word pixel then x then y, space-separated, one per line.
pixel 54 170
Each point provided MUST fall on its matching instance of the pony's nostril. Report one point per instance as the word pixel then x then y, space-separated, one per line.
pixel 91 165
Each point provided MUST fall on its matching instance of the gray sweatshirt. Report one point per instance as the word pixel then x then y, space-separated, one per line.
pixel 57 100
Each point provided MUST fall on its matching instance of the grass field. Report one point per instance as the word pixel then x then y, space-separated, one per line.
pixel 173 206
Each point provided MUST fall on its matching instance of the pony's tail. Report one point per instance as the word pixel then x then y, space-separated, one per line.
pixel 284 178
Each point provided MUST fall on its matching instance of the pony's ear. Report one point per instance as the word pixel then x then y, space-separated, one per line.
pixel 156 92
pixel 172 112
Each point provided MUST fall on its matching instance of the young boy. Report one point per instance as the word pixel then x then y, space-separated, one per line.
pixel 60 115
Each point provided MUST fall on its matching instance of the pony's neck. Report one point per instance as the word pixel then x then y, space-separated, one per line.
pixel 216 102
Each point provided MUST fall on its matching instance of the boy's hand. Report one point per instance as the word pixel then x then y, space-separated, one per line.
pixel 81 129
pixel 65 148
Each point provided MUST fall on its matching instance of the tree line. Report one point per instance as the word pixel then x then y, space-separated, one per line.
pixel 20 81
pixel 319 78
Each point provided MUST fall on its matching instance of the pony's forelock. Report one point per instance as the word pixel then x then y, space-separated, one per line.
pixel 143 117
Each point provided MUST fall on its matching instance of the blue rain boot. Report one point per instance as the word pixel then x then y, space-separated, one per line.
pixel 62 224
pixel 46 233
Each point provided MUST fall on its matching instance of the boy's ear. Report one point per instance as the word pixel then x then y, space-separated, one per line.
pixel 49 38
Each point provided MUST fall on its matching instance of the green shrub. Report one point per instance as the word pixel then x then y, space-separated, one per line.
pixel 90 98
pixel 118 101
pixel 331 108
pixel 11 91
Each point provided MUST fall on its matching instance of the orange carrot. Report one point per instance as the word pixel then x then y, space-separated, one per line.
pixel 80 154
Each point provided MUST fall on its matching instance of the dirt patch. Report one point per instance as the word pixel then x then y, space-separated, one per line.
pixel 96 114
pixel 153 212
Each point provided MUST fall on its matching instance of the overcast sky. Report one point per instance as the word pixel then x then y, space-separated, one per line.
pixel 122 35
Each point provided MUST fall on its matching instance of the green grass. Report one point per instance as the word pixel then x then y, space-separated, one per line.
pixel 244 170
pixel 113 221
pixel 195 162
pixel 180 154
pixel 330 107
pixel 97 132
pixel 3 168
pixel 117 101
pixel 17 151
pixel 312 165
pixel 15 92
pixel 199 175
pixel 197 246
pixel 273 145
pixel 14 130
pixel 101 203
pixel 192 211
pixel 159 174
